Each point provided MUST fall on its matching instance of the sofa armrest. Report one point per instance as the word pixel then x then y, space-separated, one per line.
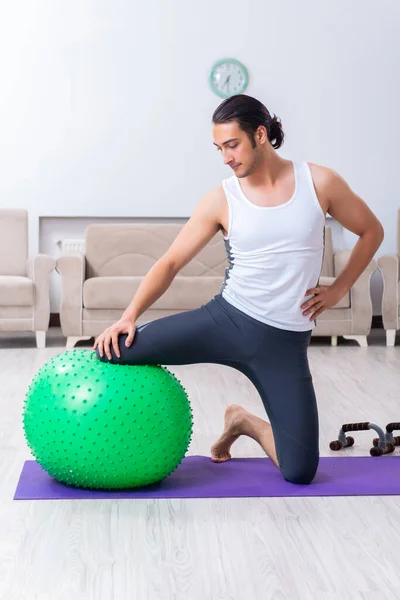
pixel 389 267
pixel 39 269
pixel 72 268
pixel 360 293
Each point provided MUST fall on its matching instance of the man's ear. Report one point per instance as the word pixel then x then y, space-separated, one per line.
pixel 261 134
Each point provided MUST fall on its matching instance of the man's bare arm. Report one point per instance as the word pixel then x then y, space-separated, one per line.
pixel 202 226
pixel 351 211
pixel 194 235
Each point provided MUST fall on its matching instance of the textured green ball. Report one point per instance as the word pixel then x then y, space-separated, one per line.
pixel 97 425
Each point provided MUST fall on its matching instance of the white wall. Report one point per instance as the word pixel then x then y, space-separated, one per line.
pixel 105 107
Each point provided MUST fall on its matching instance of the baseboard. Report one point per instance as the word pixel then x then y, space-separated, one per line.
pixel 377 322
pixel 54 320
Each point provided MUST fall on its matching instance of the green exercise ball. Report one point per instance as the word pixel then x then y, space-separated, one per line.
pixel 93 424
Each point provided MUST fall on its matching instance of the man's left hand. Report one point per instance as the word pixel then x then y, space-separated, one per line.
pixel 325 296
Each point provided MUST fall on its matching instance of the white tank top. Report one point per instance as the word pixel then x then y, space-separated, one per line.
pixel 274 253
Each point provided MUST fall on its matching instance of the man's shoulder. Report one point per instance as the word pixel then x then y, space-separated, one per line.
pixel 321 174
pixel 324 180
pixel 213 201
pixel 216 194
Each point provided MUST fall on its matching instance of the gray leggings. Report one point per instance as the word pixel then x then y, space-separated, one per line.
pixel 275 360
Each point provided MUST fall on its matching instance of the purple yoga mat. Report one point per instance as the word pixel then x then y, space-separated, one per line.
pixel 199 477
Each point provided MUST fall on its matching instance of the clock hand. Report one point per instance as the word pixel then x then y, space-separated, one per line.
pixel 226 81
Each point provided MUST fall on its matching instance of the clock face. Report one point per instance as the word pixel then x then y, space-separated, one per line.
pixel 228 77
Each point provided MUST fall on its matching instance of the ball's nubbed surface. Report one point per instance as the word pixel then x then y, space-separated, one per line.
pixel 94 424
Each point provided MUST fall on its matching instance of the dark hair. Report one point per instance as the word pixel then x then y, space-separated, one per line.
pixel 250 114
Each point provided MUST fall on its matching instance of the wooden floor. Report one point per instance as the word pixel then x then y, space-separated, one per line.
pixel 219 549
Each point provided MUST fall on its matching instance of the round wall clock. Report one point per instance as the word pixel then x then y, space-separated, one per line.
pixel 228 77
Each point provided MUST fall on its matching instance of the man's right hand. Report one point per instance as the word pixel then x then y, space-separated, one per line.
pixel 110 335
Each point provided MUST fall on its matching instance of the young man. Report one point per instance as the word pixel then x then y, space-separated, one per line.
pixel 271 212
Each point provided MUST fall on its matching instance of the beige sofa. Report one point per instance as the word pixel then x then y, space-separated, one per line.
pixel 389 268
pixel 98 285
pixel 24 282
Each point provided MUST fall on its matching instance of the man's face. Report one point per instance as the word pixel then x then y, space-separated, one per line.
pixel 236 149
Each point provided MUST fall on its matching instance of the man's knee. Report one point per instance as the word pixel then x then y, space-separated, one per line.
pixel 301 473
pixel 114 358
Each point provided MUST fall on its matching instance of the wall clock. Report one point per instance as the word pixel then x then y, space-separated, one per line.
pixel 228 77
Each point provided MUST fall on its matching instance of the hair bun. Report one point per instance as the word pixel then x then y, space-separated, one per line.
pixel 275 132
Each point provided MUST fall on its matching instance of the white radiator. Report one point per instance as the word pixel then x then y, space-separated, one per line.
pixel 72 245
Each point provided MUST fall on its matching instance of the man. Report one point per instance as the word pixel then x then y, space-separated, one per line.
pixel 271 212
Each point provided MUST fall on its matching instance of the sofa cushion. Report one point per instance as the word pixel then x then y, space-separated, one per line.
pixel 131 249
pixel 185 293
pixel 343 302
pixel 16 291
pixel 16 313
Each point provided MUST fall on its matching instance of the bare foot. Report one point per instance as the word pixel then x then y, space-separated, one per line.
pixel 234 415
pixel 238 421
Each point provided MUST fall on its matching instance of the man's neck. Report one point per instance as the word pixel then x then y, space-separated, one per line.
pixel 268 173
